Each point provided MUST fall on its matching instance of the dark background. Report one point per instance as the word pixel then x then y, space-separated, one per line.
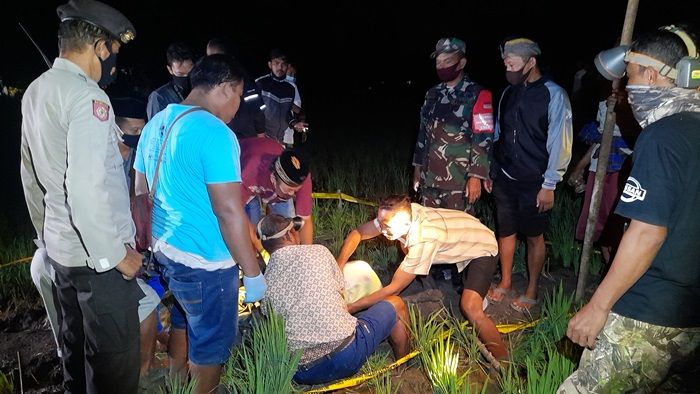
pixel 351 43
pixel 364 66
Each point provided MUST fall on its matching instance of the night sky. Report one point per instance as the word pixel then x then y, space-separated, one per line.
pixel 352 43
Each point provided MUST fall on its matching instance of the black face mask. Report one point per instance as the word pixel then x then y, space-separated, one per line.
pixel 132 141
pixel 518 77
pixel 182 85
pixel 107 66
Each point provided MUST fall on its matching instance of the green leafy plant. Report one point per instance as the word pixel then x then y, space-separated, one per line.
pixel 441 367
pixel 263 363
pixel 509 380
pixel 468 340
pixel 16 286
pixel 381 384
pixel 426 331
pixel 178 384
pixel 547 378
pixel 562 228
pixel 551 328
pixel 7 386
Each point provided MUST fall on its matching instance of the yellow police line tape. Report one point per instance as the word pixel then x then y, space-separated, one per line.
pixel 344 197
pixel 351 382
pixel 18 261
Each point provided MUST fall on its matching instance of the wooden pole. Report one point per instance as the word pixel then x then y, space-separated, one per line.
pixel 603 156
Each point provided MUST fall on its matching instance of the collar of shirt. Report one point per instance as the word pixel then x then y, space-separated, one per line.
pixel 413 235
pixel 61 63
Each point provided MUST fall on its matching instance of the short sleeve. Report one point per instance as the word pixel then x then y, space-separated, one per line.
pixel 654 184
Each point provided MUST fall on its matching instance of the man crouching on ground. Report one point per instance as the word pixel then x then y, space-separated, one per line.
pixel 434 236
pixel 305 286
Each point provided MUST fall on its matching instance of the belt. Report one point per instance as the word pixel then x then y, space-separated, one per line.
pixel 347 341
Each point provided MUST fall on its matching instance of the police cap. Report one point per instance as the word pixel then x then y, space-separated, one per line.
pixel 99 14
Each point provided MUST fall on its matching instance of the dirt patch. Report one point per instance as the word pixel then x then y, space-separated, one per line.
pixel 26 341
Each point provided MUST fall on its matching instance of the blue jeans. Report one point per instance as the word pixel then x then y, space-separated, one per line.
pixel 373 327
pixel 283 208
pixel 206 305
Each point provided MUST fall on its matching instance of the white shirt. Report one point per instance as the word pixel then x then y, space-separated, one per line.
pixel 72 171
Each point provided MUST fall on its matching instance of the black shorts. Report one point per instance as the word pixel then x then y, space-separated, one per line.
pixel 516 208
pixel 478 274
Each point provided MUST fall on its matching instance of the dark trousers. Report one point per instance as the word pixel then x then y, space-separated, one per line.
pixel 99 330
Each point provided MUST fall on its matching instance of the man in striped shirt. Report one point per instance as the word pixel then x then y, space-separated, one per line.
pixel 434 236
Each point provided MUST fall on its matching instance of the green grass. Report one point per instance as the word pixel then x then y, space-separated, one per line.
pixel 547 378
pixel 263 363
pixel 381 384
pixel 176 384
pixel 7 386
pixel 16 286
pixel 562 228
pixel 551 328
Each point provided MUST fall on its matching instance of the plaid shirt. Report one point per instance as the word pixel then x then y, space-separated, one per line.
pixel 305 286
pixel 445 236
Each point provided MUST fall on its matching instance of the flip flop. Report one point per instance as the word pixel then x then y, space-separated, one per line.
pixel 498 290
pixel 529 302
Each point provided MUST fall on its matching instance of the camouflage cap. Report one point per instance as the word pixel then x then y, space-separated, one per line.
pixel 449 45
pixel 99 14
pixel 523 47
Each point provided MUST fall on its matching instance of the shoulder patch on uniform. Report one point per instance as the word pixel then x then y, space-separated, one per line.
pixel 100 110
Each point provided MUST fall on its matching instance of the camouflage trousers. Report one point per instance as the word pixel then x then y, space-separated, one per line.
pixel 449 199
pixel 630 356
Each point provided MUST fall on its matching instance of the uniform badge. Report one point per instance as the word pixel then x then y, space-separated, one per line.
pixel 100 110
pixel 296 163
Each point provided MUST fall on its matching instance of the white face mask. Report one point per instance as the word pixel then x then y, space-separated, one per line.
pixel 397 227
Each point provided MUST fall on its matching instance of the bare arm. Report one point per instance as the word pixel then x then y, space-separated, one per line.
pixel 234 225
pixel 399 282
pixel 257 244
pixel 140 183
pixel 364 231
pixel 307 231
pixel 638 248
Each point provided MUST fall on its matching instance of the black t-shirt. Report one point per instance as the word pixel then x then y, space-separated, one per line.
pixel 664 190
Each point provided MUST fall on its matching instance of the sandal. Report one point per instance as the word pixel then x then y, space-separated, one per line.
pixel 527 301
pixel 497 290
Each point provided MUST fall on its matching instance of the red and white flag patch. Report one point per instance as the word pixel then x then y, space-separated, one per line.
pixel 100 110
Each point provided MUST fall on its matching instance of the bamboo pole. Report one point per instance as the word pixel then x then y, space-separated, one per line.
pixel 603 155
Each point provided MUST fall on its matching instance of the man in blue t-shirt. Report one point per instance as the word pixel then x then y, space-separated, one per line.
pixel 644 317
pixel 200 230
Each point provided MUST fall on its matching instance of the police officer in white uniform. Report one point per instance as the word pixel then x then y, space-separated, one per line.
pixel 79 203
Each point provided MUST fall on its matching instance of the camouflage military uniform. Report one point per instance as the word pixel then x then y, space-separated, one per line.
pixel 453 142
pixel 630 356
